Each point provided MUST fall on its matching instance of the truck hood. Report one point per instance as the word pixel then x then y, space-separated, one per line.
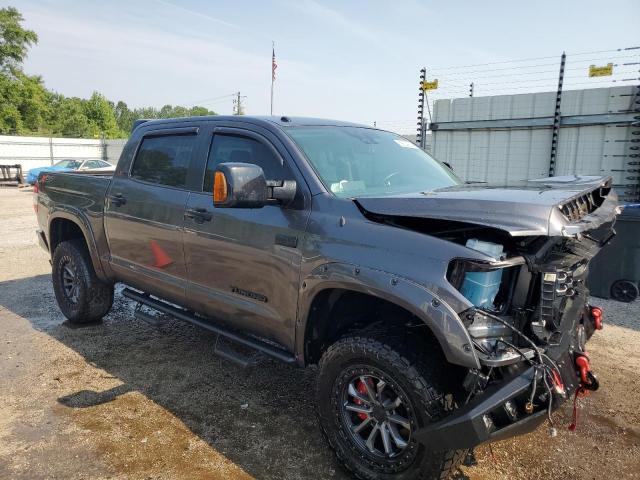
pixel 554 206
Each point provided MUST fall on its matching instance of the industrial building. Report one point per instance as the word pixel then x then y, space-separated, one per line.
pixel 507 138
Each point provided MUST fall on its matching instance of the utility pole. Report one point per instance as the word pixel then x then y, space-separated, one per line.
pixel 556 118
pixel 471 89
pixel 420 134
pixel 273 71
pixel 237 104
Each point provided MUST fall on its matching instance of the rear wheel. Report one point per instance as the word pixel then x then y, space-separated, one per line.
pixel 81 295
pixel 372 397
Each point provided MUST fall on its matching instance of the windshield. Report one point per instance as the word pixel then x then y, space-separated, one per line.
pixel 357 162
pixel 72 164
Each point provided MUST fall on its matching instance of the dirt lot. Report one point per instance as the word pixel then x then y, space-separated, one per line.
pixel 123 399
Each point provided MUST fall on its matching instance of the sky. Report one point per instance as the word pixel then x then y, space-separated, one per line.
pixel 349 60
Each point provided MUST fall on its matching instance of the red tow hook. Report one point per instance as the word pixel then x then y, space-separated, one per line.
pixel 588 382
pixel 596 314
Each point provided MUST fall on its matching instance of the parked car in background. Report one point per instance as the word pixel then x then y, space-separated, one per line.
pixel 68 165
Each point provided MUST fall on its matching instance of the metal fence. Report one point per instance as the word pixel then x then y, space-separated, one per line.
pixel 32 152
pixel 507 138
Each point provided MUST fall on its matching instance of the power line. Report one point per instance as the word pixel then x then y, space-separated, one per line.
pixel 209 100
pixel 530 80
pixel 439 73
pixel 516 73
pixel 533 58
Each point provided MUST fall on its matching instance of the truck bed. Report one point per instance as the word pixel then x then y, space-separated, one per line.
pixel 84 190
pixel 81 194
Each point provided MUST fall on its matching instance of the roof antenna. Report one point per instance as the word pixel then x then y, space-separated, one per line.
pixel 284 119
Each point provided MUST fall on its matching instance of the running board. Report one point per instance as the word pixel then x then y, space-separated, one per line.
pixel 234 356
pixel 181 314
pixel 145 317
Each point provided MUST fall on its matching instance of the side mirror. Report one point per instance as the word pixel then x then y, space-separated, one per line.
pixel 243 185
pixel 446 164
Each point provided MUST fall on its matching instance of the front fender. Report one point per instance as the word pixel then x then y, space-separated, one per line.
pixel 441 319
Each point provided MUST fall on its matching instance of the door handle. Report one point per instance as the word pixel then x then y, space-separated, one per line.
pixel 118 200
pixel 199 215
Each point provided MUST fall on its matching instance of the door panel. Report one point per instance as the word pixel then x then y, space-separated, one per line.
pixel 145 236
pixel 144 216
pixel 244 264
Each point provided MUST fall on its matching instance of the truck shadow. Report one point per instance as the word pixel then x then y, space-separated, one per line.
pixel 260 418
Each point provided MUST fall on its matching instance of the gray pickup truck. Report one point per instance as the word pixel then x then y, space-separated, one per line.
pixel 441 314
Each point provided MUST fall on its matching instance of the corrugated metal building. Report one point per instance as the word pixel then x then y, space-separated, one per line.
pixel 414 139
pixel 508 137
pixel 32 152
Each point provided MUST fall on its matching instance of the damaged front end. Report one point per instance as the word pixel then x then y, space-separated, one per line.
pixel 529 331
pixel 524 281
pixel 527 341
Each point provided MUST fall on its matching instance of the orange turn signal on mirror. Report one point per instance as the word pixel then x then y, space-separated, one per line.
pixel 219 188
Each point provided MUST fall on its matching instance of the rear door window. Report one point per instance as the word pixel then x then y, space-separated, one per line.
pixel 164 160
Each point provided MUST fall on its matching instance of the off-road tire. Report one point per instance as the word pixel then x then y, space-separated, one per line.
pixel 416 374
pixel 93 297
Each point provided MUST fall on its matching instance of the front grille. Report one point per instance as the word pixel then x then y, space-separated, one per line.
pixel 575 209
pixel 556 287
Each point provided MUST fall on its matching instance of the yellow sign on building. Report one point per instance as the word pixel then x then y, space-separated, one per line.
pixel 605 71
pixel 429 85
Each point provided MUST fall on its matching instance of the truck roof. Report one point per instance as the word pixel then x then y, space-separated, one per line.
pixel 280 120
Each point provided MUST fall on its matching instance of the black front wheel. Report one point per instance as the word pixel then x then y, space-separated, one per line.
pixel 372 397
pixel 81 295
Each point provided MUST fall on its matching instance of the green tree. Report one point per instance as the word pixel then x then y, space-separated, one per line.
pixel 70 119
pixel 101 115
pixel 24 104
pixel 10 117
pixel 200 111
pixel 33 103
pixel 14 40
pixel 124 117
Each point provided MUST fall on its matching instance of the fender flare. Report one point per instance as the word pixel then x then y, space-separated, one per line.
pixel 79 218
pixel 441 319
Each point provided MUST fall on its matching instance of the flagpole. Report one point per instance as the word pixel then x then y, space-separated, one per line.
pixel 273 54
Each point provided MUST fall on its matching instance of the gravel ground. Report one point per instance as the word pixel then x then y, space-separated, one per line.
pixel 123 399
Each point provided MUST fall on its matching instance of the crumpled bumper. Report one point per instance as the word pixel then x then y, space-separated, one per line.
pixel 498 412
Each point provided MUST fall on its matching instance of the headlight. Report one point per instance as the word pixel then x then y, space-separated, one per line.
pixel 487 285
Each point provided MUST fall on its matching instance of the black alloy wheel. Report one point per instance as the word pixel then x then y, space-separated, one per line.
pixel 69 280
pixel 377 414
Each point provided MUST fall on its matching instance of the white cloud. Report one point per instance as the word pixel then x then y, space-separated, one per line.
pixel 333 19
pixel 198 14
pixel 146 65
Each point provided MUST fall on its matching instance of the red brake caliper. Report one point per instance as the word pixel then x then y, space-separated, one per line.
pixel 361 388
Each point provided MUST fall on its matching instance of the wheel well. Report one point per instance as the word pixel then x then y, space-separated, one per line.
pixel 335 312
pixel 61 230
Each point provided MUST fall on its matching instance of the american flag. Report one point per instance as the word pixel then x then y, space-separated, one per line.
pixel 274 65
